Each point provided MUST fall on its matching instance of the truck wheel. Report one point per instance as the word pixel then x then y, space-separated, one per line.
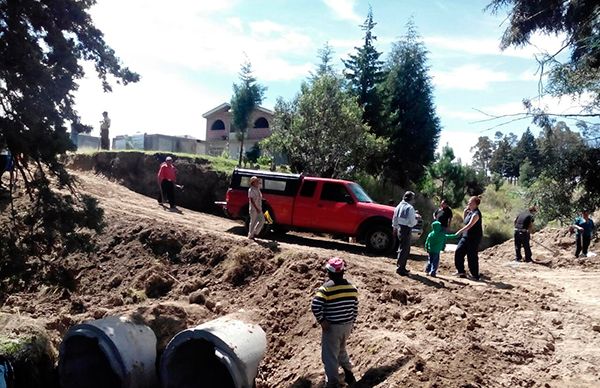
pixel 379 239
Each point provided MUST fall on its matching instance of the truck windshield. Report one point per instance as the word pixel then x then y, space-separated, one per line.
pixel 360 193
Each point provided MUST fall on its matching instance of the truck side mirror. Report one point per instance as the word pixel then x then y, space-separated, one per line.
pixel 348 199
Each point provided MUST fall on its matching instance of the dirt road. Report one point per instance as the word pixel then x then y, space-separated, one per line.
pixel 523 325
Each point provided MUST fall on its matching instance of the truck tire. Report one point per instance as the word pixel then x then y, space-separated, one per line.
pixel 379 239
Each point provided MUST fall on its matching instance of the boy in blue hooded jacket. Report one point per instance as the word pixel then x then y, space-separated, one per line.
pixel 435 243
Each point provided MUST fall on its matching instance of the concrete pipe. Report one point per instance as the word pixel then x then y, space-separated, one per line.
pixel 109 352
pixel 223 353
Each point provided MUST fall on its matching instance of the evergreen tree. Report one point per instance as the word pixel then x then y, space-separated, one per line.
pixel 526 149
pixel 482 154
pixel 43 45
pixel 414 127
pixel 578 21
pixel 321 130
pixel 364 72
pixel 247 95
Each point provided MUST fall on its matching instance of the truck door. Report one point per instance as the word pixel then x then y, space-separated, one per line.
pixel 336 209
pixel 305 205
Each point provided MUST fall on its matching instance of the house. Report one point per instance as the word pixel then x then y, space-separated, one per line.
pixel 222 136
pixel 158 142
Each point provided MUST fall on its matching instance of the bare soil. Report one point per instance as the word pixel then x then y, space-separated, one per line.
pixel 525 325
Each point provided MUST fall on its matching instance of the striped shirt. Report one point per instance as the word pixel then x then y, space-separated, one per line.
pixel 336 303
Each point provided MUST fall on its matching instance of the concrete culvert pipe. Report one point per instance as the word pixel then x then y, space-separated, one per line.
pixel 222 353
pixel 109 352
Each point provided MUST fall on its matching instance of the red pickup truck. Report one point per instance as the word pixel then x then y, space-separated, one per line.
pixel 308 203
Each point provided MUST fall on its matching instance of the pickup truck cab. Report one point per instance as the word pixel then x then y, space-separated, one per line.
pixel 299 202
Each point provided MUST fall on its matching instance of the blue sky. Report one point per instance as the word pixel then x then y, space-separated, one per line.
pixel 189 52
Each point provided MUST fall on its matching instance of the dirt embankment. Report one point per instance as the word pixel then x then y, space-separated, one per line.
pixel 523 325
pixel 137 171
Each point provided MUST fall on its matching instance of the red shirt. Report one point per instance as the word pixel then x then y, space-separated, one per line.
pixel 167 172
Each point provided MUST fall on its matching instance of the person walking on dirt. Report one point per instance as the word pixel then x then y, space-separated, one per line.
pixel 104 126
pixel 443 215
pixel 434 245
pixel 257 218
pixel 584 227
pixel 404 220
pixel 166 181
pixel 335 306
pixel 523 232
pixel 468 244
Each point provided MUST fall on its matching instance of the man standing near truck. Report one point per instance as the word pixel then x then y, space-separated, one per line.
pixel 403 221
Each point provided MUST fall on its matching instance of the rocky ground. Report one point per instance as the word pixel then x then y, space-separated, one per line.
pixel 527 325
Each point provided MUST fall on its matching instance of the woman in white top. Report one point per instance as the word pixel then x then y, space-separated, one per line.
pixel 257 219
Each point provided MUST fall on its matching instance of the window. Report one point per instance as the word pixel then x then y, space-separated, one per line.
pixel 308 189
pixel 218 125
pixel 261 122
pixel 360 193
pixel 274 185
pixel 335 192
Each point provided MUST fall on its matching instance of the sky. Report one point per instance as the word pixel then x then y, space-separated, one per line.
pixel 189 52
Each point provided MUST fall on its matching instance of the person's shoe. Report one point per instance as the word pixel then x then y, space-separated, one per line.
pixel 402 272
pixel 432 274
pixel 528 261
pixel 518 260
pixel 349 377
pixel 460 274
pixel 475 278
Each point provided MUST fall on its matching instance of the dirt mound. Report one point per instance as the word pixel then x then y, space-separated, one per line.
pixel 137 171
pixel 553 247
pixel 174 271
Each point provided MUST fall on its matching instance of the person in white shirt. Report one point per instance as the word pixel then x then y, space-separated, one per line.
pixel 257 218
pixel 404 220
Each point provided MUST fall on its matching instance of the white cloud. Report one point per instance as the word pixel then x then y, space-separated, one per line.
pixel 159 103
pixel 468 77
pixel 461 143
pixel 344 9
pixel 491 46
pixel 196 37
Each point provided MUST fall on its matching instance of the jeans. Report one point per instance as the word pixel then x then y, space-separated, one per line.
pixel 582 243
pixel 333 351
pixel 522 240
pixel 467 246
pixel 404 247
pixel 433 263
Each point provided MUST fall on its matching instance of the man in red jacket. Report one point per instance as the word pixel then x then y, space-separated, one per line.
pixel 166 181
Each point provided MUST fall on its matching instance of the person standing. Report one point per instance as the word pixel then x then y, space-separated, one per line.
pixel 434 245
pixel 402 223
pixel 523 231
pixel 257 218
pixel 468 244
pixel 166 181
pixel 584 227
pixel 443 215
pixel 335 306
pixel 104 126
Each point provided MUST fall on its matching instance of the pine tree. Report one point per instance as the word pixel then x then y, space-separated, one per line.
pixel 364 72
pixel 414 127
pixel 247 95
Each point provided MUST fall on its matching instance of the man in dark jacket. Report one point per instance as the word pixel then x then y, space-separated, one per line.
pixel 523 231
pixel 443 215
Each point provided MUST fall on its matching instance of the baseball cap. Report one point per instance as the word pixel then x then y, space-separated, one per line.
pixel 335 265
pixel 168 158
